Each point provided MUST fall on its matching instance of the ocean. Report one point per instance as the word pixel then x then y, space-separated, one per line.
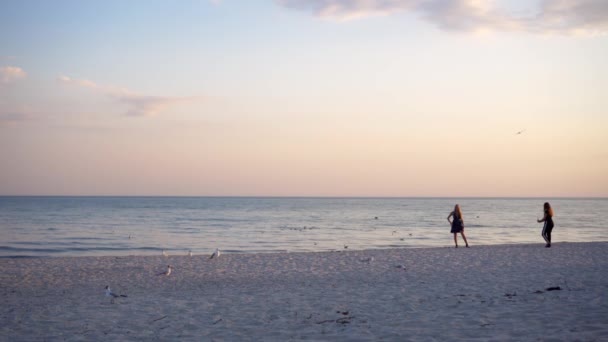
pixel 96 226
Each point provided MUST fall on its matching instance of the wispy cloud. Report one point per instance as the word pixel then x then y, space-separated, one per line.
pixel 550 16
pixel 9 74
pixel 138 105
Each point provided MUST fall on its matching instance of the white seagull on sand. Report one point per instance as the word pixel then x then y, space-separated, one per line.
pixel 215 254
pixel 167 272
pixel 190 253
pixel 109 293
pixel 165 254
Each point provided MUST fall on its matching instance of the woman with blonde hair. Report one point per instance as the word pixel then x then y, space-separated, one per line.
pixel 457 225
pixel 548 227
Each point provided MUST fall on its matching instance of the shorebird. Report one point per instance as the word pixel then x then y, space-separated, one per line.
pixel 215 254
pixel 109 293
pixel 190 253
pixel 165 254
pixel 167 272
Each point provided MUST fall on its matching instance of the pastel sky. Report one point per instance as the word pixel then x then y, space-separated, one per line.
pixel 304 98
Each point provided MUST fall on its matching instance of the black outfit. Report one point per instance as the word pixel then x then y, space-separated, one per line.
pixel 547 228
pixel 457 225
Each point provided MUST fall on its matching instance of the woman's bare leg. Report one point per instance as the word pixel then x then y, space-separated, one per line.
pixel 464 238
pixel 456 240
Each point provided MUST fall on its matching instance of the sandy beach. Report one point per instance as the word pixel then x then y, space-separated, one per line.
pixel 484 293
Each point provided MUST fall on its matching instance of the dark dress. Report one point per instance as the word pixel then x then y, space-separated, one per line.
pixel 547 228
pixel 457 225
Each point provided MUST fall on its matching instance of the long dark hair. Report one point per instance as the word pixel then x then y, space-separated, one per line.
pixel 548 209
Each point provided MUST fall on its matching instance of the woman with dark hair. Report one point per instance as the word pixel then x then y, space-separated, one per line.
pixel 457 225
pixel 548 227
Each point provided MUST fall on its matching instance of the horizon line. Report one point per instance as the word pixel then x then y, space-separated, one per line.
pixel 313 196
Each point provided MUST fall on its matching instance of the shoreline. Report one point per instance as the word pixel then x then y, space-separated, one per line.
pixel 486 292
pixel 183 252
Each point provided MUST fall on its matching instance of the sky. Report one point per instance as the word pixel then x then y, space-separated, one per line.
pixel 304 98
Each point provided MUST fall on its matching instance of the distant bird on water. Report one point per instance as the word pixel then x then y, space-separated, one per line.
pixel 215 254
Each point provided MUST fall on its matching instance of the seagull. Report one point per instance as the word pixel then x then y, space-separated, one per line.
pixel 215 254
pixel 167 272
pixel 109 293
pixel 520 132
pixel 165 253
pixel 190 253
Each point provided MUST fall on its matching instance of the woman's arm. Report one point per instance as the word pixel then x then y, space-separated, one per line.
pixel 543 219
pixel 451 214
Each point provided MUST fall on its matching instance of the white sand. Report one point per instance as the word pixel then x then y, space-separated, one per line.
pixel 444 294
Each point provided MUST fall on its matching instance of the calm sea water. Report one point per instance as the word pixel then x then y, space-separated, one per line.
pixel 78 226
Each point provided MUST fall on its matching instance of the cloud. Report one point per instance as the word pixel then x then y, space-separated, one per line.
pixel 9 74
pixel 551 16
pixel 138 105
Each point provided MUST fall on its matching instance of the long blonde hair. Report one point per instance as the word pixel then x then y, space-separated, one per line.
pixel 457 211
pixel 548 209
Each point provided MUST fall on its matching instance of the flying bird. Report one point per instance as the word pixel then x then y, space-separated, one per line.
pixel 215 254
pixel 520 132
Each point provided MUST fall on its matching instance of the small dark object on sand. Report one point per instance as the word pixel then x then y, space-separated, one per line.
pixel 554 288
pixel 538 291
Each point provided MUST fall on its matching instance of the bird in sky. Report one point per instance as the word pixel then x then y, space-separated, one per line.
pixel 520 132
